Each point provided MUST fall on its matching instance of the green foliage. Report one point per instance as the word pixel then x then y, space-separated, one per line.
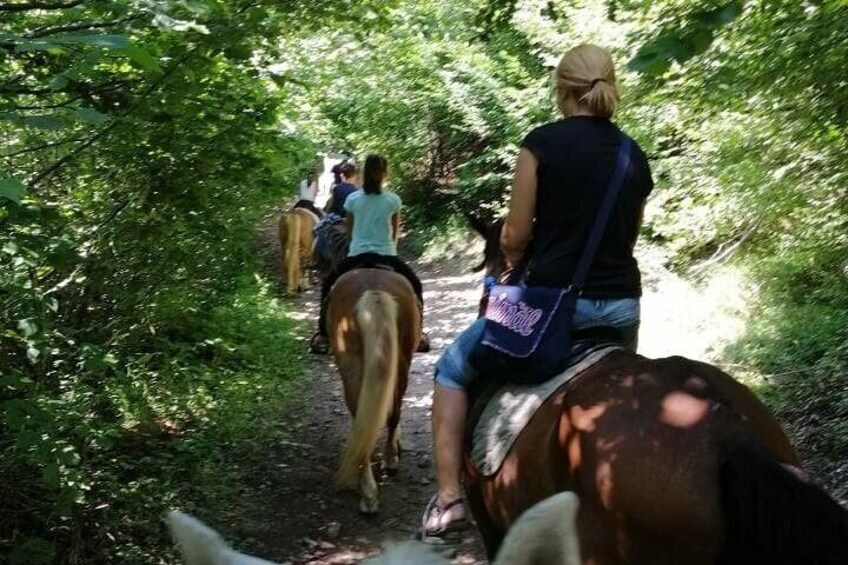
pixel 142 141
pixel 163 426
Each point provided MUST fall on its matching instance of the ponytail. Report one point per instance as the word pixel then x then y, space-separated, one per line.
pixel 601 98
pixel 374 173
pixel 585 77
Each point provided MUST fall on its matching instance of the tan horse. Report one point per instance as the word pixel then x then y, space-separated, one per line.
pixel 295 231
pixel 673 462
pixel 373 322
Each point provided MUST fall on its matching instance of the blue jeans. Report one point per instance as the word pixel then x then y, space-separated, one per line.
pixel 453 370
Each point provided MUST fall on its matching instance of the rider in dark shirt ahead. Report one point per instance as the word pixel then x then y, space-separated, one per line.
pixel 349 175
pixel 560 179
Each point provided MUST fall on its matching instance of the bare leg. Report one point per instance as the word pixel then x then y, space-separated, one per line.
pixel 449 413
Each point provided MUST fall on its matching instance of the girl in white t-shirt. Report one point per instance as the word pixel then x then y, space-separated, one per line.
pixel 307 193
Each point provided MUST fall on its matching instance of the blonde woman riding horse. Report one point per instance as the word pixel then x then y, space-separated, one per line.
pixel 672 460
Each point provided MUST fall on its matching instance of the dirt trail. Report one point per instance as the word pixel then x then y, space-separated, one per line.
pixel 306 520
pixel 294 515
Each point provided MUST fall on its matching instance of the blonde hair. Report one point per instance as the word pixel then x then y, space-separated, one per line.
pixel 585 79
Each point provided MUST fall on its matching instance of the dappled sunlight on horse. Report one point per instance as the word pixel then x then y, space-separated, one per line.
pixel 662 454
pixel 374 327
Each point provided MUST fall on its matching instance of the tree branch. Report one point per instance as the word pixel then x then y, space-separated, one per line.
pixel 725 250
pixel 45 31
pixel 40 177
pixel 43 146
pixel 27 6
pixel 48 172
pixel 15 89
pixel 49 106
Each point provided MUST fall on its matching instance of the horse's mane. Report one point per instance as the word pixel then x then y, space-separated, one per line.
pixel 773 515
pixel 491 233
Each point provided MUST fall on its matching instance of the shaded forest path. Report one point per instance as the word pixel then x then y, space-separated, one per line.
pixel 296 515
pixel 300 518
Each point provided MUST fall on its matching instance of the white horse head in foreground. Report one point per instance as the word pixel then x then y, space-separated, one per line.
pixel 546 533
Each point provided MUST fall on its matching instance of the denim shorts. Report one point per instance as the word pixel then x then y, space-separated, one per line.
pixel 453 370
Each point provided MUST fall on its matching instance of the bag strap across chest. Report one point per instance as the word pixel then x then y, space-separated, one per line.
pixel 598 227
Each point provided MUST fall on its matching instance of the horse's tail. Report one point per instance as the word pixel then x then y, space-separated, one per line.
pixel 774 515
pixel 291 261
pixel 377 318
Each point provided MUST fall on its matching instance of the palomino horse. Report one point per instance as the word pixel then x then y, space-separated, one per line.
pixel 673 462
pixel 295 231
pixel 373 322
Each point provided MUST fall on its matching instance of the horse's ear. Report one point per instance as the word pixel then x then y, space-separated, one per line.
pixel 545 533
pixel 478 224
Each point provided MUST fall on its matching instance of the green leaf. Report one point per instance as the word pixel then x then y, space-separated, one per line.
pixel 38 45
pixel 33 354
pixel 28 327
pixel 33 551
pixel 51 477
pixel 700 40
pixel 15 413
pixel 720 16
pixel 90 116
pixel 654 57
pixel 12 189
pixel 12 381
pixel 108 41
pixel 58 82
pixel 44 122
pixel 142 58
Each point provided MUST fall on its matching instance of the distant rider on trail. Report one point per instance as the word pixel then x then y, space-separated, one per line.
pixel 307 192
pixel 372 218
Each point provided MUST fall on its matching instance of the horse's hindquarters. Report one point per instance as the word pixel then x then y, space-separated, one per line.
pixel 371 319
pixel 296 241
pixel 638 442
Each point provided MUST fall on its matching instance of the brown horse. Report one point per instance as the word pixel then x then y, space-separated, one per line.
pixel 373 321
pixel 295 231
pixel 673 461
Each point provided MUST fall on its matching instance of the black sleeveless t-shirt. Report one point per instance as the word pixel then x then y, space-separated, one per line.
pixel 577 158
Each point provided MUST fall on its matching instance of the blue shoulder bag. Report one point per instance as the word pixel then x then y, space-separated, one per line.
pixel 528 329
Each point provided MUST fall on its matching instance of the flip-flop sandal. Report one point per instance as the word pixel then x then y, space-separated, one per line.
pixel 438 535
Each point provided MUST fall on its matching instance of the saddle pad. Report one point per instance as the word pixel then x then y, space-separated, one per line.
pixel 510 410
pixel 308 212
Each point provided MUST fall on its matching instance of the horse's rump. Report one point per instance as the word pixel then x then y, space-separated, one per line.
pixel 373 323
pixel 638 440
pixel 295 234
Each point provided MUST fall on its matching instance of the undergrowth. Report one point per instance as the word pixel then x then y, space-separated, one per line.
pixel 165 428
pixel 796 343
